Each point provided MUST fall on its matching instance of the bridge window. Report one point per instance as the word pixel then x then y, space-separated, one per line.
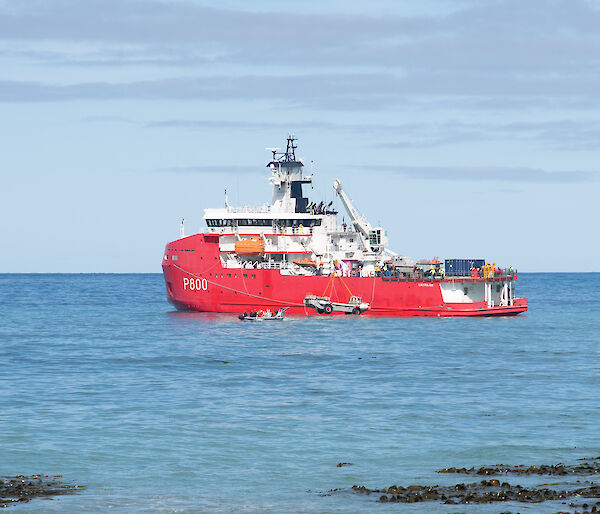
pixel 311 222
pixel 219 223
pixel 261 222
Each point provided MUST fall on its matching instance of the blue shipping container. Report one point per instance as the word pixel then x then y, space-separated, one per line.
pixel 461 267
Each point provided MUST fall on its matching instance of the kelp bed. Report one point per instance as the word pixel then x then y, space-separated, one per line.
pixel 21 488
pixel 580 495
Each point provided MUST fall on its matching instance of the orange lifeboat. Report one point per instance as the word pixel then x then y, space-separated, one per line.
pixel 252 246
pixel 306 262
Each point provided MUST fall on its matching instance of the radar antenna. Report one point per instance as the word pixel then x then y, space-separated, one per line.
pixel 274 150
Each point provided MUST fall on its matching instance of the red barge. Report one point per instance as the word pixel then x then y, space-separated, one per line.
pixel 275 255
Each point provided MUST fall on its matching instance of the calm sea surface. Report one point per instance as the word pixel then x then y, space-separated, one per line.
pixel 104 383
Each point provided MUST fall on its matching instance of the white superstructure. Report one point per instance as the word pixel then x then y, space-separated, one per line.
pixel 300 237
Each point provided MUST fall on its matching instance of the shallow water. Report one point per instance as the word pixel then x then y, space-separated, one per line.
pixel 152 409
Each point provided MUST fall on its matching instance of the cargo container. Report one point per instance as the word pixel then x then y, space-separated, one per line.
pixel 461 267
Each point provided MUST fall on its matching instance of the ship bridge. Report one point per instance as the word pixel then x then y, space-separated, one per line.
pixel 289 207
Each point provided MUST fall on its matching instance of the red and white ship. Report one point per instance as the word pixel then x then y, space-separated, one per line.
pixel 275 255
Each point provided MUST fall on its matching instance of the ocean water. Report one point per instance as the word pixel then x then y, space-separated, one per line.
pixel 154 410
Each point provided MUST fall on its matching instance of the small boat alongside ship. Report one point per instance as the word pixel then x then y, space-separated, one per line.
pixel 267 315
pixel 284 253
pixel 323 304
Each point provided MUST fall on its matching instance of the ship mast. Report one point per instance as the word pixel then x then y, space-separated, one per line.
pixel 290 151
pixel 289 156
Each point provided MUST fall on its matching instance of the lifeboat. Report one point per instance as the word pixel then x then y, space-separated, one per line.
pixel 252 246
pixel 306 262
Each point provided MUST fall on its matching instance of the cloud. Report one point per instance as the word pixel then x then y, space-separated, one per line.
pixel 221 169
pixel 238 32
pixel 107 119
pixel 483 173
pixel 573 135
pixel 240 125
pixel 326 90
pixel 542 36
pixel 562 134
pixel 498 54
pixel 471 174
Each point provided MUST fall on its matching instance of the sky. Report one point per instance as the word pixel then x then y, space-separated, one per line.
pixel 466 128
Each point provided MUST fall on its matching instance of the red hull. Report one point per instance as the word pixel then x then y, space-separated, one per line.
pixel 196 280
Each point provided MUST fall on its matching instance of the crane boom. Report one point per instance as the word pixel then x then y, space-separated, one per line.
pixel 359 222
pixel 373 238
